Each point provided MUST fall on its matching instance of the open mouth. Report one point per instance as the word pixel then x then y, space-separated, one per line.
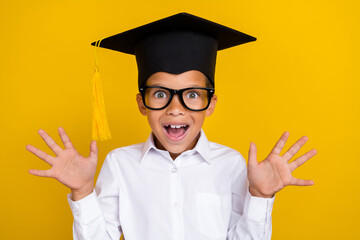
pixel 176 132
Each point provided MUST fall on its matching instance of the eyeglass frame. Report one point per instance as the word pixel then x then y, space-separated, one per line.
pixel 179 92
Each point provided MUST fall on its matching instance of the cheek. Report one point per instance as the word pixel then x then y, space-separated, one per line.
pixel 199 119
pixel 153 118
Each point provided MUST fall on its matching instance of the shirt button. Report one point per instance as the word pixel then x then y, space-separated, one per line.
pixel 174 170
pixel 76 212
pixel 176 205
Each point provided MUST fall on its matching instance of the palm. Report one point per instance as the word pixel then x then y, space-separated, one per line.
pixel 68 167
pixel 274 173
pixel 72 169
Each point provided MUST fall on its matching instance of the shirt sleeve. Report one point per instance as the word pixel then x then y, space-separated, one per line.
pixel 250 216
pixel 96 216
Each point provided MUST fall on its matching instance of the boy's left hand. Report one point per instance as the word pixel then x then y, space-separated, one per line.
pixel 274 173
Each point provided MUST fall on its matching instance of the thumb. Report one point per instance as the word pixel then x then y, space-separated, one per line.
pixel 252 155
pixel 93 150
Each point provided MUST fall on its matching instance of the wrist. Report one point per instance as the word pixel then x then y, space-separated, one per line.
pixel 256 193
pixel 77 194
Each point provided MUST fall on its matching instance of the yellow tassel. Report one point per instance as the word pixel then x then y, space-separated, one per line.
pixel 100 128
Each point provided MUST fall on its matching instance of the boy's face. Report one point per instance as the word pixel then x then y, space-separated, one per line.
pixel 178 140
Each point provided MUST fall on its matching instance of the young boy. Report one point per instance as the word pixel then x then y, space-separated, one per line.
pixel 176 185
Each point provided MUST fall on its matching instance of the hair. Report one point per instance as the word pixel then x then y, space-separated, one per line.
pixel 208 83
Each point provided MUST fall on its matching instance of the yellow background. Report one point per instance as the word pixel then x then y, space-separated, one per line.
pixel 302 75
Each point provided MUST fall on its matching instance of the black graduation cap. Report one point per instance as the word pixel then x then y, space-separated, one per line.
pixel 175 44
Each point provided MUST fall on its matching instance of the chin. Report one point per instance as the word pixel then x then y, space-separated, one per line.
pixel 178 147
pixel 176 150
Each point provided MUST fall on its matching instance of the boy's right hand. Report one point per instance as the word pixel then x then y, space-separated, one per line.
pixel 68 167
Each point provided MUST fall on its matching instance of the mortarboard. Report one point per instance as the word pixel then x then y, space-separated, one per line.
pixel 174 44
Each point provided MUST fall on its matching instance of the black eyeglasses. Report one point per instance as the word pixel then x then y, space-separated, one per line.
pixel 194 99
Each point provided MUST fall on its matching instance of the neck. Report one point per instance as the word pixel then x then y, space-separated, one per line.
pixel 174 155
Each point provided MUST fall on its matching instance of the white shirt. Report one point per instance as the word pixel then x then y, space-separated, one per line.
pixel 144 194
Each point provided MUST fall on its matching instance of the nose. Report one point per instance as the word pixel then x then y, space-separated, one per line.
pixel 175 107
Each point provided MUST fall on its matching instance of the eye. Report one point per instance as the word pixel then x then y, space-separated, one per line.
pixel 160 94
pixel 192 95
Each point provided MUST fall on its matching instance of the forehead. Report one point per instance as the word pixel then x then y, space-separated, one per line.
pixel 192 78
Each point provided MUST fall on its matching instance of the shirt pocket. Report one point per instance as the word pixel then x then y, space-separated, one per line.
pixel 213 214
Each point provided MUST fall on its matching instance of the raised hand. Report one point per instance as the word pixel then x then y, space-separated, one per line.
pixel 274 173
pixel 68 167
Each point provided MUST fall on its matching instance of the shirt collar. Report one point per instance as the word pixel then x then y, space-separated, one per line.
pixel 149 144
pixel 202 147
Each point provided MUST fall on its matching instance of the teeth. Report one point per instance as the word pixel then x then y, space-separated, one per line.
pixel 175 126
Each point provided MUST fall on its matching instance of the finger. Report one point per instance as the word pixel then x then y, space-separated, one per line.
pixel 280 143
pixel 41 173
pixel 93 150
pixel 252 155
pixel 40 154
pixel 50 142
pixel 294 148
pixel 65 138
pixel 301 182
pixel 302 159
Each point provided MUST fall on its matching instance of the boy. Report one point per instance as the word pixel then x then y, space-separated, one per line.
pixel 176 185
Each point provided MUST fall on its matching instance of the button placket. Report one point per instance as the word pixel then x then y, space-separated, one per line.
pixel 175 196
pixel 176 203
pixel 76 212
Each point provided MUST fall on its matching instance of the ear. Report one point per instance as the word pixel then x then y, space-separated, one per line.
pixel 141 105
pixel 212 105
